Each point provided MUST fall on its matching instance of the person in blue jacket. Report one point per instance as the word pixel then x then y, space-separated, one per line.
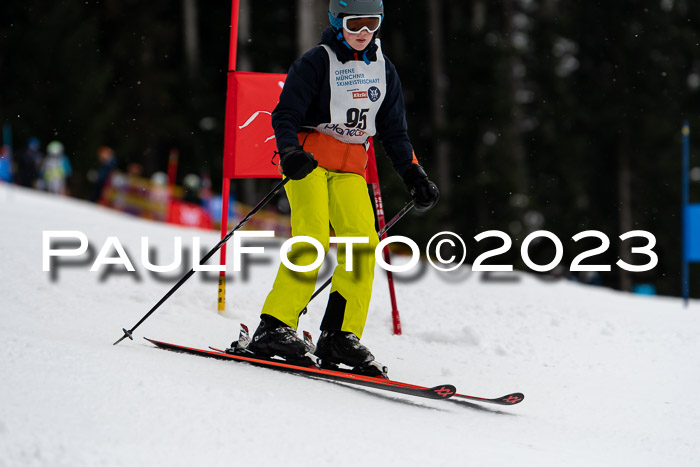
pixel 335 97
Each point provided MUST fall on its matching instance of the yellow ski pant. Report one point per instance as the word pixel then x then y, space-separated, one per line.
pixel 340 199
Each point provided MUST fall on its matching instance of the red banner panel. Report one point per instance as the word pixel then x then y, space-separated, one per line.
pixel 191 215
pixel 249 140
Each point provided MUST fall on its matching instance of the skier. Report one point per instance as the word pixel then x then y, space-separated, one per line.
pixel 56 168
pixel 28 163
pixel 335 97
pixel 101 176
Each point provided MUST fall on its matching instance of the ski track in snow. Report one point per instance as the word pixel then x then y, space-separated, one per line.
pixel 608 377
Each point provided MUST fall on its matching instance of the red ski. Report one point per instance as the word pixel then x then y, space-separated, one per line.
pixel 443 391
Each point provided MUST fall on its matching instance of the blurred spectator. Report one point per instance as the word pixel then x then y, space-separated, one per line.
pixel 205 192
pixel 160 196
pixel 28 163
pixel 192 183
pixel 134 169
pixel 107 163
pixel 55 169
pixel 6 164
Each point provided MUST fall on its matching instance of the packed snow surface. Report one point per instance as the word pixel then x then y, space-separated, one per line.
pixel 609 378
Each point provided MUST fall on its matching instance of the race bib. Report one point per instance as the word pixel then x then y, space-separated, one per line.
pixel 357 92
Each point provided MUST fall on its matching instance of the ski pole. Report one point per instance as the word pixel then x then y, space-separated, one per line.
pixel 388 225
pixel 257 208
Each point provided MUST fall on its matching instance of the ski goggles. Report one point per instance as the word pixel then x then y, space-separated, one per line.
pixel 356 24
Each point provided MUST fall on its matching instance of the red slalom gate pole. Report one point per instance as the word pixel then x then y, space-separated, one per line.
pixel 233 44
pixel 373 178
pixel 226 182
pixel 395 318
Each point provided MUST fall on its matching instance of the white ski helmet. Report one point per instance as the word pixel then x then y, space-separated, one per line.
pixel 54 148
pixel 353 7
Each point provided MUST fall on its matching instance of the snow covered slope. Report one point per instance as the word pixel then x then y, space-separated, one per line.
pixel 609 378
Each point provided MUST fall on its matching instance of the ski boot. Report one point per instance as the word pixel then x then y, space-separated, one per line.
pixel 273 338
pixel 336 348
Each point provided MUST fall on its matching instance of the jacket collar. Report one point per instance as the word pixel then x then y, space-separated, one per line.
pixel 334 39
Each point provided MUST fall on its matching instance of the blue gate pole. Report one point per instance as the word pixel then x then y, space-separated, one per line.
pixel 684 208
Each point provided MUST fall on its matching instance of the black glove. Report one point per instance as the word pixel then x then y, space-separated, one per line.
pixel 424 192
pixel 296 163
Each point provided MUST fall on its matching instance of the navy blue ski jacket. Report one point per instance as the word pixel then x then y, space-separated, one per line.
pixel 305 100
